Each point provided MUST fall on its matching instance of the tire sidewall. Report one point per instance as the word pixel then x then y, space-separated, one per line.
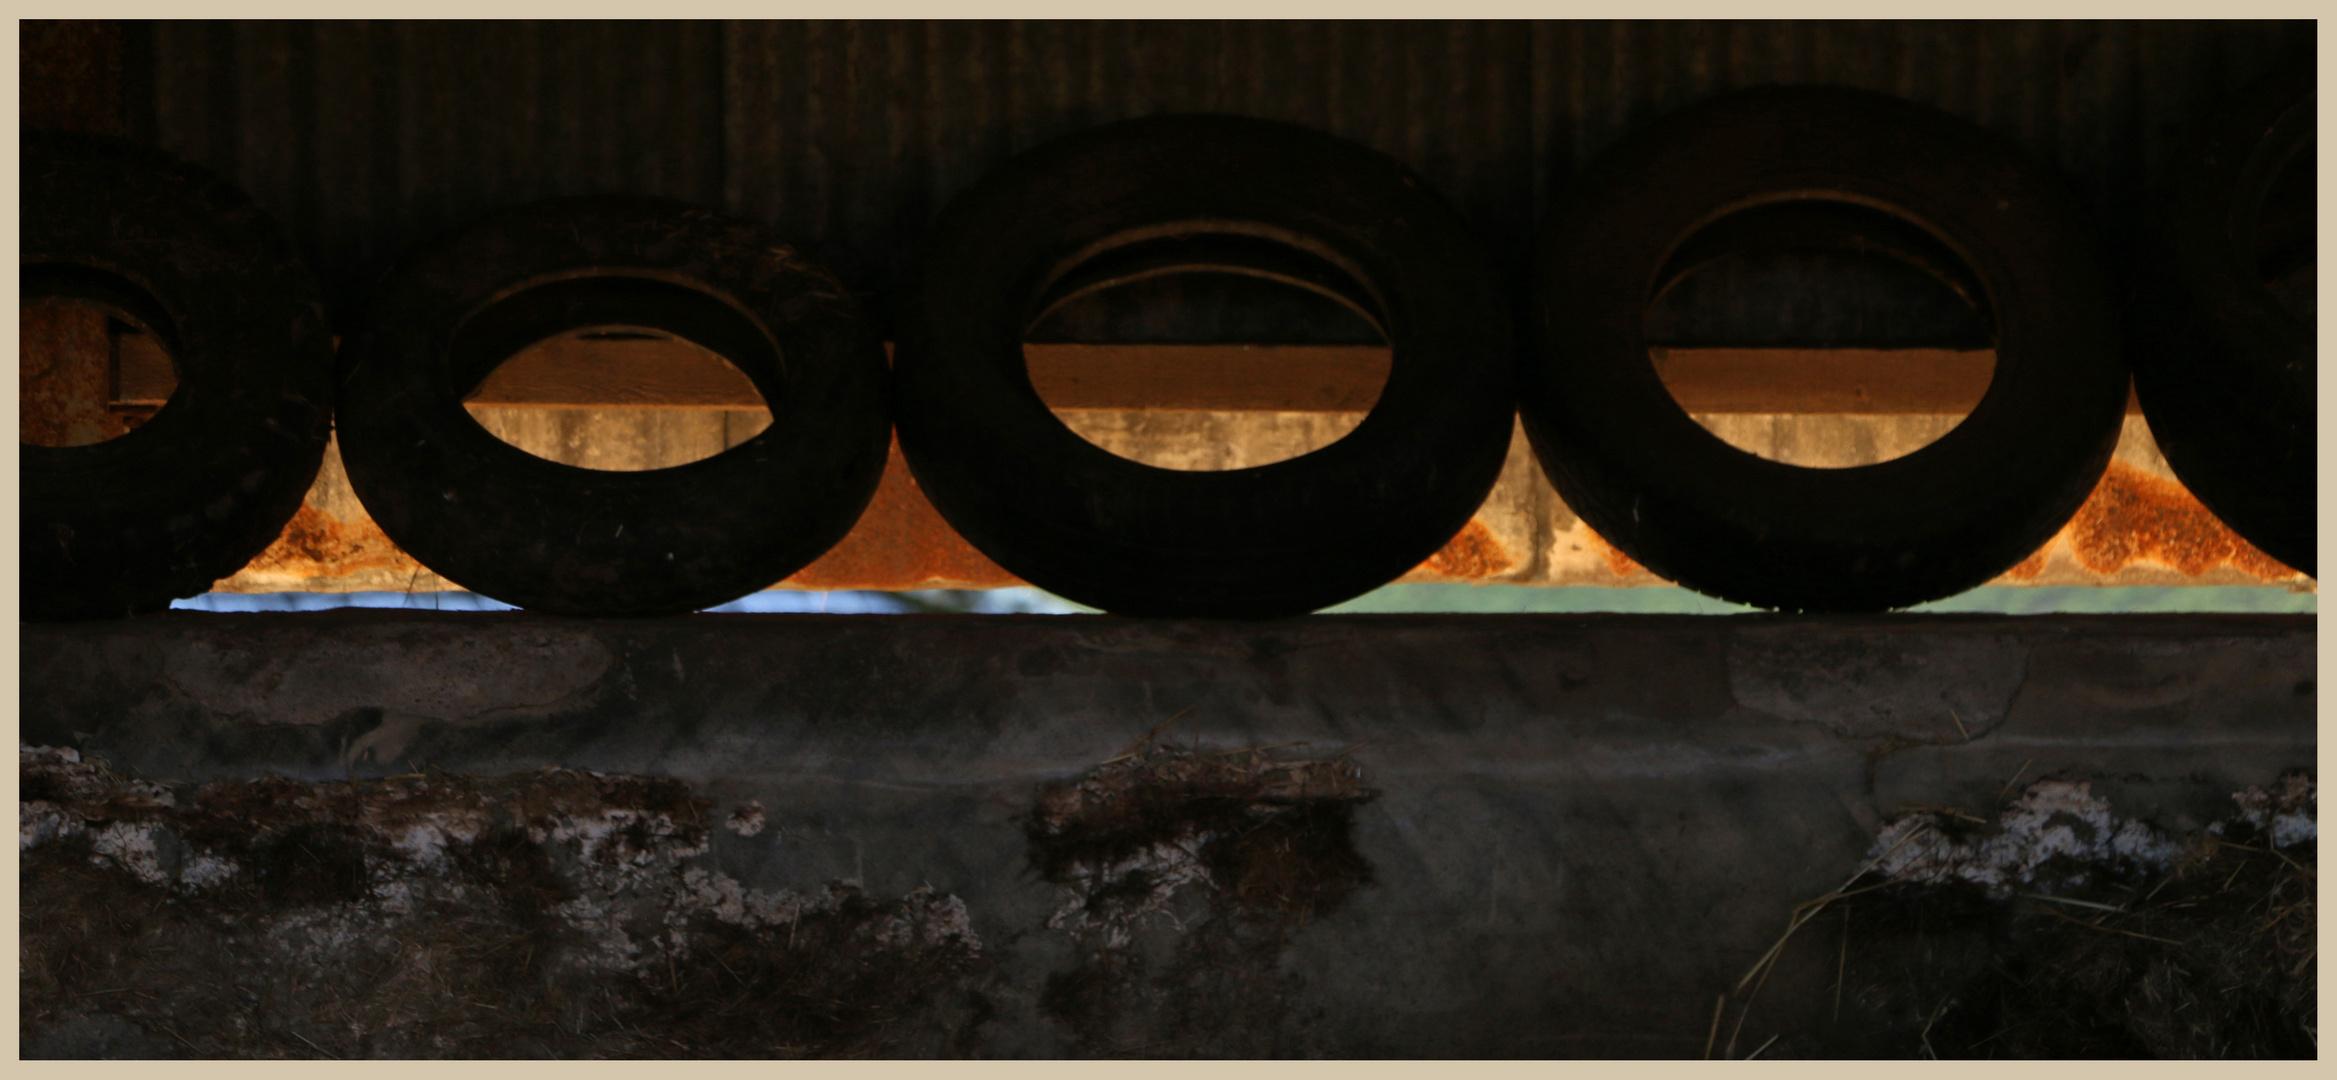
pixel 1689 506
pixel 558 538
pixel 1281 538
pixel 195 492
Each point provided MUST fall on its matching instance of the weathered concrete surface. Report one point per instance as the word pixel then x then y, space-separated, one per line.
pixel 1587 828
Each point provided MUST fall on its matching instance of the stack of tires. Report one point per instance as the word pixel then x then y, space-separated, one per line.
pixel 2225 370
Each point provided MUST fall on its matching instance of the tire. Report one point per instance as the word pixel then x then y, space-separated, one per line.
pixel 1277 539
pixel 2224 370
pixel 1627 458
pixel 127 525
pixel 557 538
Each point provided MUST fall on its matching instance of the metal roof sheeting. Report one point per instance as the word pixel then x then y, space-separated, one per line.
pixel 364 138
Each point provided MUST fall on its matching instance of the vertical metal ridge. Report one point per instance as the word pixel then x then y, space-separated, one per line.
pixel 364 138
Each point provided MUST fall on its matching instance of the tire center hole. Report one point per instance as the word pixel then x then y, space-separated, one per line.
pixel 1821 334
pixel 1208 352
pixel 89 370
pixel 617 396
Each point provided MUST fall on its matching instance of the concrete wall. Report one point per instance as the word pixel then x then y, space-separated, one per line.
pixel 1585 828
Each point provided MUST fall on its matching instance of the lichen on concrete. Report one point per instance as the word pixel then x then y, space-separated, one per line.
pixel 748 819
pixel 2283 812
pixel 2055 827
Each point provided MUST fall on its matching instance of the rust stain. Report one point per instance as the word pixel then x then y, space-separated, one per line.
pixel 2031 568
pixel 317 544
pixel 2133 516
pixel 64 378
pixel 1618 564
pixel 902 542
pixel 1474 552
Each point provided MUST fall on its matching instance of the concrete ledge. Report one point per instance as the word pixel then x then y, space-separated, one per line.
pixel 1587 827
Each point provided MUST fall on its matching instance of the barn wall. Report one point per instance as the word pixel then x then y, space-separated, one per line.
pixel 365 138
pixel 850 136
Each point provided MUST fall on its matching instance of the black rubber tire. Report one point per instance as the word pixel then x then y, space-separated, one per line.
pixel 567 540
pixel 1277 539
pixel 188 497
pixel 1690 507
pixel 2224 371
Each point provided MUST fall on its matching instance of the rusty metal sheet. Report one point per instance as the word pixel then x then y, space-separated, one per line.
pixel 2140 527
pixel 853 135
pixel 2101 99
pixel 363 138
pixel 70 74
pixel 64 376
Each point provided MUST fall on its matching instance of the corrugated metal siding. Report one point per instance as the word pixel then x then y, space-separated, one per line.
pixel 2101 100
pixel 365 137
pixel 852 136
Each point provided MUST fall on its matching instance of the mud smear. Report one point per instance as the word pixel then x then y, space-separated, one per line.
pixel 549 914
pixel 1183 876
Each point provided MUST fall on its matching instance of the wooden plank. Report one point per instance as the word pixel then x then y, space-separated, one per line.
pixel 669 374
pixel 1228 378
pixel 1872 382
pixel 143 375
pixel 622 373
pixel 1825 381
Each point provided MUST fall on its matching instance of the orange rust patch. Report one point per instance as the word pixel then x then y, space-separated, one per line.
pixel 1474 552
pixel 901 542
pixel 64 377
pixel 1618 564
pixel 2028 569
pixel 2133 516
pixel 317 544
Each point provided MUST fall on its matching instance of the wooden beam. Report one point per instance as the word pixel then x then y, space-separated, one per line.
pixel 670 374
pixel 143 375
pixel 621 373
pixel 1218 378
pixel 1285 378
pixel 1888 381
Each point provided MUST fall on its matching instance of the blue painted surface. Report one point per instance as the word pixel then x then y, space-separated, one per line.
pixel 1645 600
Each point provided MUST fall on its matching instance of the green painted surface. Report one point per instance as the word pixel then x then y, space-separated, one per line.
pixel 1673 600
